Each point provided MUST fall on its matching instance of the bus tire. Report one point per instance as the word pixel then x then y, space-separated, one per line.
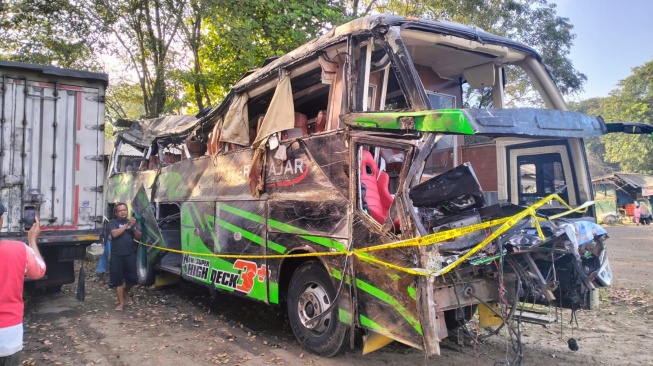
pixel 310 293
pixel 144 269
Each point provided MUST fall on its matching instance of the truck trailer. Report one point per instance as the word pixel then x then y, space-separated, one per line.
pixel 52 161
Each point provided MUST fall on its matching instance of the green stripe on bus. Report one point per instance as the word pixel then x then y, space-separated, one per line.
pixel 199 217
pixel 252 237
pixel 242 213
pixel 325 242
pixel 369 323
pixel 385 297
pixel 344 316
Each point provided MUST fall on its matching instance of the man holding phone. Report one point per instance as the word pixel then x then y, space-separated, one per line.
pixel 17 261
pixel 122 266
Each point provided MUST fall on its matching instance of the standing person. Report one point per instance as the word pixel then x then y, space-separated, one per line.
pixel 122 266
pixel 636 213
pixel 17 261
pixel 644 213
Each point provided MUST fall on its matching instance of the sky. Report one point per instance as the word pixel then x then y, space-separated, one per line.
pixel 612 37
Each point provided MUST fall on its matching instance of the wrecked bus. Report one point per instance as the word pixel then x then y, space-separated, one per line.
pixel 351 181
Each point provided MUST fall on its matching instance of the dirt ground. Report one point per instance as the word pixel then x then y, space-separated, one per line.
pixel 182 325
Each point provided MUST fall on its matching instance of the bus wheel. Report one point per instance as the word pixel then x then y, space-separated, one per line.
pixel 144 270
pixel 310 293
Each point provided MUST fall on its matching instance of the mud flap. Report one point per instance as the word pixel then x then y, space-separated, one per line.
pixel 374 341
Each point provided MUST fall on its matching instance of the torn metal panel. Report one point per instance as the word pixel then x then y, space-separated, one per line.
pixel 144 132
pixel 151 234
pixel 386 297
pixel 332 157
pixel 123 187
pixel 205 178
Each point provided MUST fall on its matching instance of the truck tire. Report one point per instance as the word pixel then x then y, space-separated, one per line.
pixel 144 269
pixel 310 293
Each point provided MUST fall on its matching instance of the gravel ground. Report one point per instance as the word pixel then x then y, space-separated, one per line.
pixel 182 324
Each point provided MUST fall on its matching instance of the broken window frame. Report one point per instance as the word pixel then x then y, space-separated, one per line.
pixel 377 144
pixel 358 93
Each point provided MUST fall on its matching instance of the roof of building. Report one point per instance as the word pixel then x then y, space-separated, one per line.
pixel 632 179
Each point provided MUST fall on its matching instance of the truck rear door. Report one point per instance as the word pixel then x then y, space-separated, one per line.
pixel 52 146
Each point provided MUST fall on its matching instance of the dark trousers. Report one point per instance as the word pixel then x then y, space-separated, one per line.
pixel 11 360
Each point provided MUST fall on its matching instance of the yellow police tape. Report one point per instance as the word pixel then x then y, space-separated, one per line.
pixel 431 239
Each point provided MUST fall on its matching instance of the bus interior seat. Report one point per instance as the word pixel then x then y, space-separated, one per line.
pixel 377 196
pixel 300 130
pixel 320 121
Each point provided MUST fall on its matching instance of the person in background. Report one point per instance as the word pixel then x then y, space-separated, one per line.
pixel 636 213
pixel 17 261
pixel 122 266
pixel 644 213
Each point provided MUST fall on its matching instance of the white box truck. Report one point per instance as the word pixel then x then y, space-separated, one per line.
pixel 52 161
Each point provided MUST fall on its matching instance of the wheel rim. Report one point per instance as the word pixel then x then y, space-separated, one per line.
pixel 312 302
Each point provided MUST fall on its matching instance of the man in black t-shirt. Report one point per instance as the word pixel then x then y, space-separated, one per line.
pixel 122 267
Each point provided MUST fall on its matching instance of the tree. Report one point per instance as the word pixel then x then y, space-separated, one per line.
pixel 240 35
pixel 594 147
pixel 52 32
pixel 632 100
pixel 192 25
pixel 145 31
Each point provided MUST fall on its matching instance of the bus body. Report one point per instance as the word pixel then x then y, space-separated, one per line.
pixel 350 181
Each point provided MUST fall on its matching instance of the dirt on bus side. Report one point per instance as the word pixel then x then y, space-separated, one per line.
pixel 182 325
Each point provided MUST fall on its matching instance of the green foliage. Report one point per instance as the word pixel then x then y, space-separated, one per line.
pixel 144 30
pixel 47 32
pixel 240 35
pixel 594 147
pixel 631 102
pixel 124 100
